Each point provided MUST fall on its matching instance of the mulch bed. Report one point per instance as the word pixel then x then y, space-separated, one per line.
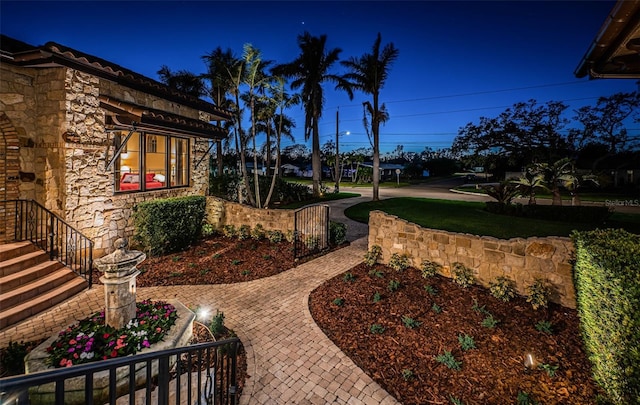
pixel 402 360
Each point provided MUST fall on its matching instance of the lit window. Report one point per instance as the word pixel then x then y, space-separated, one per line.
pixel 162 162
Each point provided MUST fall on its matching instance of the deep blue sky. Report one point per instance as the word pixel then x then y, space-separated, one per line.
pixel 458 60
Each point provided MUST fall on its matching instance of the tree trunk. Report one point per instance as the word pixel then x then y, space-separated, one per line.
pixel 316 164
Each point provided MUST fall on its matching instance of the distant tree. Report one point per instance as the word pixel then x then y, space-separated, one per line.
pixel 526 132
pixel 604 123
pixel 368 74
pixel 298 153
pixel 309 71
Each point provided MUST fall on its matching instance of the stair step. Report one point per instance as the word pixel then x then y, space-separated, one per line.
pixel 28 275
pixel 22 262
pixel 26 292
pixel 15 249
pixel 13 315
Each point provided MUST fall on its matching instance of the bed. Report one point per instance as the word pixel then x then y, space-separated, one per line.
pixel 131 181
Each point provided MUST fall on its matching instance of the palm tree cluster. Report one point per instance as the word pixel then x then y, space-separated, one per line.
pixel 250 84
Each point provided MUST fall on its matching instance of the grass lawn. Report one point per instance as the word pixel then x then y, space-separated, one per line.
pixel 324 198
pixel 586 196
pixel 331 184
pixel 470 217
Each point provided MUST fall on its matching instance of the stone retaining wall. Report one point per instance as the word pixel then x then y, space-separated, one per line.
pixel 221 212
pixel 522 260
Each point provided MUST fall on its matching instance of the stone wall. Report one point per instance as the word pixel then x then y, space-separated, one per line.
pixel 522 260
pixel 221 212
pixel 63 148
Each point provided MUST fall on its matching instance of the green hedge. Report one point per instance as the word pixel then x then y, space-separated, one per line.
pixel 337 233
pixel 168 225
pixel 563 213
pixel 607 281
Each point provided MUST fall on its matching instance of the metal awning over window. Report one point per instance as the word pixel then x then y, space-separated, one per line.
pixel 127 115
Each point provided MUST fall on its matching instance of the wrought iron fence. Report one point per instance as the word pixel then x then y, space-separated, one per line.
pixel 203 374
pixel 61 241
pixel 311 234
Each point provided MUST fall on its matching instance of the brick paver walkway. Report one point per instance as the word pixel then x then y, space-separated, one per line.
pixel 289 359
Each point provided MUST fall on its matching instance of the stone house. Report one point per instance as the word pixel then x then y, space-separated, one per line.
pixel 89 139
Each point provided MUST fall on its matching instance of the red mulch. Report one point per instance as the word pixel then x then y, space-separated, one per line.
pixel 493 373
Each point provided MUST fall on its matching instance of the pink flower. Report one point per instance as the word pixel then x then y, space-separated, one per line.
pixel 72 342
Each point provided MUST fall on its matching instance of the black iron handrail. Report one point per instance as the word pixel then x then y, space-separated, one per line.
pixel 61 241
pixel 208 370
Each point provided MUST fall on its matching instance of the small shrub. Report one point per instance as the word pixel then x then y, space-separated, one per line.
pixel 229 231
pixel 257 232
pixel 236 262
pixel 244 232
pixel 393 285
pixel 373 255
pixel 455 401
pixel 376 329
pixel 204 272
pixel 290 236
pixel 407 374
pixel 348 277
pixel 430 268
pixel 466 342
pixel 551 370
pixel 377 297
pixel 207 230
pixel 431 290
pixel 449 360
pixel 462 275
pixel 479 309
pixel 338 302
pixel 337 233
pixel 525 399
pixel 176 259
pixel 410 322
pixel 490 322
pixel 12 358
pixel 312 242
pixel 217 324
pixel 216 256
pixel 376 273
pixel 545 327
pixel 436 308
pixel 399 262
pixel 246 272
pixel 503 288
pixel 275 236
pixel 538 294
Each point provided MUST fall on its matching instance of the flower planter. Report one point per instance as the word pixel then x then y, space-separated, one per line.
pixel 178 336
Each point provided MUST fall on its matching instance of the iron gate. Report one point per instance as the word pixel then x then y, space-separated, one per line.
pixel 311 230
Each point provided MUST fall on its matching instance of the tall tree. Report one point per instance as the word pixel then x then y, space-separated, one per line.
pixel 183 81
pixel 219 62
pixel 309 71
pixel 368 74
pixel 524 133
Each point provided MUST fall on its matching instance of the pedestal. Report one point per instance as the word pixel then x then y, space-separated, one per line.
pixel 120 299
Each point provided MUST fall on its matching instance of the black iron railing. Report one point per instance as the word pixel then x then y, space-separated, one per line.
pixel 61 241
pixel 311 234
pixel 201 374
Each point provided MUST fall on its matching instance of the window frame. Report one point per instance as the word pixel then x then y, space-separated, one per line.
pixel 143 142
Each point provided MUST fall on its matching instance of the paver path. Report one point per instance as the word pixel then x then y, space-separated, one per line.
pixel 289 359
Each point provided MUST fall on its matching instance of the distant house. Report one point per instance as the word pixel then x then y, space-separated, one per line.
pixel 88 139
pixel 387 170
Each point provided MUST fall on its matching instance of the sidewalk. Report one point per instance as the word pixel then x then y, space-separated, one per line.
pixel 289 359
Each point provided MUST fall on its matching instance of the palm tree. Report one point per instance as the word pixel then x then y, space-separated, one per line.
pixel 308 72
pixel 219 63
pixel 369 74
pixel 530 181
pixel 182 80
pixel 559 173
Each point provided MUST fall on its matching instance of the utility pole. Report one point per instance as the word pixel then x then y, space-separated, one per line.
pixel 337 188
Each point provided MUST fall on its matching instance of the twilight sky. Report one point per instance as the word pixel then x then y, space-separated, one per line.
pixel 458 60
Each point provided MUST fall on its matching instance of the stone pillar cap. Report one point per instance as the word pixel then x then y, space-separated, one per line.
pixel 122 262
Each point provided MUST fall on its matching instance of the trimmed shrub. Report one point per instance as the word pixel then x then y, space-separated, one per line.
pixel 337 233
pixel 168 225
pixel 607 281
pixel 462 275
